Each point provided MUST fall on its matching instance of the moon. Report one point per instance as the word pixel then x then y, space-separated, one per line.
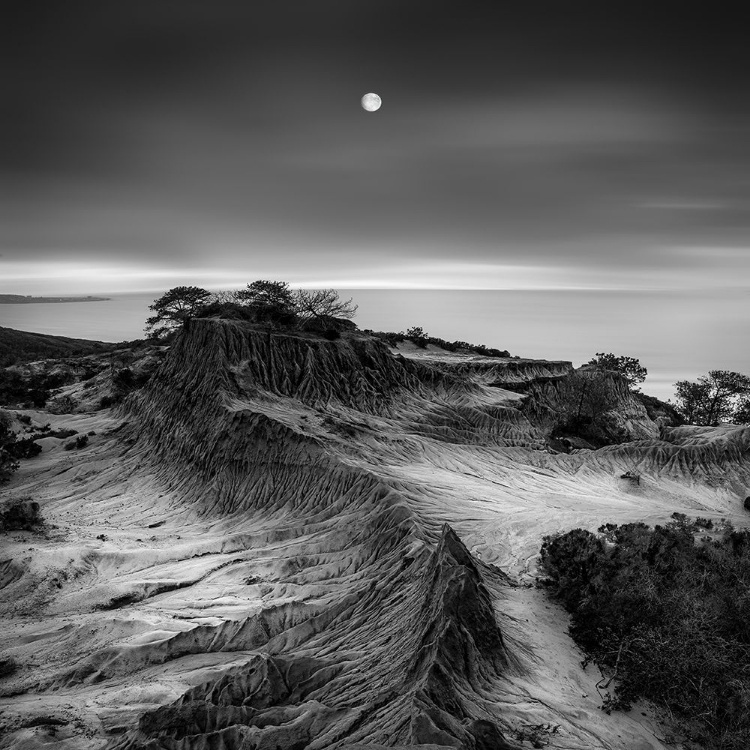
pixel 371 102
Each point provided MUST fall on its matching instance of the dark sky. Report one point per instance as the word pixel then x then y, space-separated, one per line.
pixel 519 145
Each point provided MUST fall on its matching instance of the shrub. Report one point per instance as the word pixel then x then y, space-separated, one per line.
pixel 24 448
pixel 123 379
pixel 62 405
pixel 8 667
pixel 669 617
pixel 106 401
pixel 80 442
pixel 422 339
pixel 20 514
pixel 8 465
pixel 65 432
pixel 227 311
pixel 8 462
pixel 418 335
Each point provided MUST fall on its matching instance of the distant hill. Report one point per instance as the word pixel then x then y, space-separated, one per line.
pixel 19 299
pixel 22 346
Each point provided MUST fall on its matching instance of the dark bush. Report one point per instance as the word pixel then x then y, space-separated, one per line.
pixel 8 465
pixel 8 462
pixel 227 311
pixel 24 448
pixel 331 334
pixel 421 340
pixel 30 389
pixel 13 389
pixel 668 617
pixel 61 434
pixel 24 419
pixel 20 514
pixel 106 401
pixel 123 379
pixel 80 442
pixel 8 667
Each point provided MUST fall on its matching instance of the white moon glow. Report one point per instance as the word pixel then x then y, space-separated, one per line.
pixel 371 102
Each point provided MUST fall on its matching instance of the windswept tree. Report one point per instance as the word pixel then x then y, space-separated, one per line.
pixel 270 301
pixel 720 396
pixel 175 307
pixel 629 367
pixel 322 307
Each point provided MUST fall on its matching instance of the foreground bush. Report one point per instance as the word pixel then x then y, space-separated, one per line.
pixel 20 514
pixel 668 617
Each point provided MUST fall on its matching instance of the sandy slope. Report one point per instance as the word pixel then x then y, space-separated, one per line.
pixel 254 553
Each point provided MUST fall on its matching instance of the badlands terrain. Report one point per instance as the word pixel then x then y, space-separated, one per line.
pixel 282 541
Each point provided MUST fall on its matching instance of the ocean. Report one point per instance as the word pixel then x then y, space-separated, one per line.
pixel 676 335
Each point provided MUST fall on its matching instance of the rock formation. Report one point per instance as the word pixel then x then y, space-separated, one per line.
pixel 285 541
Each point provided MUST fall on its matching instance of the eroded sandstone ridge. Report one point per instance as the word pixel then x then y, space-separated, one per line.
pixel 284 541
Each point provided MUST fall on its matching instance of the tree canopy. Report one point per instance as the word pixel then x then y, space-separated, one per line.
pixel 262 301
pixel 720 396
pixel 271 301
pixel 321 306
pixel 174 308
pixel 629 367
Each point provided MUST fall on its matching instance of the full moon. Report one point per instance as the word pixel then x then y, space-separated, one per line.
pixel 371 102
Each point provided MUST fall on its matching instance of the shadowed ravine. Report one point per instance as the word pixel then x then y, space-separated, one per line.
pixel 288 542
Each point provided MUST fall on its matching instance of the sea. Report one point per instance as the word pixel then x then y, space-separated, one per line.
pixel 675 335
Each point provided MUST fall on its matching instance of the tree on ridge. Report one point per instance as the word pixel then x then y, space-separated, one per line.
pixel 174 308
pixel 629 367
pixel 720 396
pixel 271 301
pixel 321 306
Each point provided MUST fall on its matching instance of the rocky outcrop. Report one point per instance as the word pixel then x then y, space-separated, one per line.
pixel 254 553
pixel 618 414
pixel 228 417
pixel 356 371
pixel 399 644
pixel 506 373
pixel 433 651
pixel 716 456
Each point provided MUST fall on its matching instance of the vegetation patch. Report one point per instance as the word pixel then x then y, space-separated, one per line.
pixel 8 667
pixel 80 442
pixel 22 346
pixel 20 514
pixel 665 612
pixel 420 338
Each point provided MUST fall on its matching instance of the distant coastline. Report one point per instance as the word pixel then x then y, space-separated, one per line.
pixel 19 299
